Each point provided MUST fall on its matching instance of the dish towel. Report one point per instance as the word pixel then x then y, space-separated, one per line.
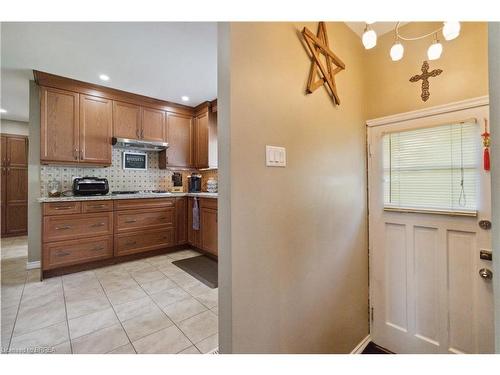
pixel 196 215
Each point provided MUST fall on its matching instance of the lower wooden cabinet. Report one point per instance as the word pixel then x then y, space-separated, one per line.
pixel 80 232
pixel 132 243
pixel 68 253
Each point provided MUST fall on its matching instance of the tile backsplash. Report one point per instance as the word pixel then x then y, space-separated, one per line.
pixel 119 179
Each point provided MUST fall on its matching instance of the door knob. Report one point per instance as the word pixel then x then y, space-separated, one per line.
pixel 485 273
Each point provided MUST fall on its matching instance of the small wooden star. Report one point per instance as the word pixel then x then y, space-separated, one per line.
pixel 318 44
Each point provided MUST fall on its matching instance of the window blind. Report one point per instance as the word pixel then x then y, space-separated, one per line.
pixel 432 168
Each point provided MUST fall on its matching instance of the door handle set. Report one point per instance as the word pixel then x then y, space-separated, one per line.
pixel 486 274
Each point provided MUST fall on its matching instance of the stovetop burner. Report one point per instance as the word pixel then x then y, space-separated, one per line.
pixel 159 191
pixel 124 192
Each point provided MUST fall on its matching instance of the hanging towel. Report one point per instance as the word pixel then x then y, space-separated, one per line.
pixel 196 215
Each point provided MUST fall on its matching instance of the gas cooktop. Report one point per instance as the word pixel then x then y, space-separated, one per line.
pixel 119 192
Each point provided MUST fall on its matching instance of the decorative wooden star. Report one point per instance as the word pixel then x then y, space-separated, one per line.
pixel 318 45
pixel 425 79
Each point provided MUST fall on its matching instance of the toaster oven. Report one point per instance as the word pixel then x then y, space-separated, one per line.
pixel 90 186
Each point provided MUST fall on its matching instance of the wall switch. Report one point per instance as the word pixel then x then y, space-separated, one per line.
pixel 275 156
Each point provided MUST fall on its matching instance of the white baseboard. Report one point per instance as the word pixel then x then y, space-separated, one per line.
pixel 361 346
pixel 33 265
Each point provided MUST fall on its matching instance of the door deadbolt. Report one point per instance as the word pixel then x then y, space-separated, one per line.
pixel 486 274
pixel 485 224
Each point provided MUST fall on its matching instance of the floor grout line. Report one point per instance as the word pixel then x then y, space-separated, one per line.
pixel 67 318
pixel 18 308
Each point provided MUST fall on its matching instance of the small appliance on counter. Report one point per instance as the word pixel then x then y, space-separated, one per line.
pixel 177 183
pixel 194 183
pixel 90 186
pixel 212 185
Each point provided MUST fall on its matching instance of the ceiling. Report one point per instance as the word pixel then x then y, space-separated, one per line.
pixel 161 60
pixel 380 28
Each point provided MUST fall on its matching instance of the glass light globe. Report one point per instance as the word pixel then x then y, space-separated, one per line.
pixel 397 51
pixel 435 50
pixel 451 30
pixel 369 39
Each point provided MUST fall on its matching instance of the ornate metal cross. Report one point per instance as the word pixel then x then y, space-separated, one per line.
pixel 425 79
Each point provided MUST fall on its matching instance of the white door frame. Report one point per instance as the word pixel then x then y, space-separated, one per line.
pixel 441 111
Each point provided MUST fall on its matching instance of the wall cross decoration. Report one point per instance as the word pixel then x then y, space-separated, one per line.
pixel 425 79
pixel 320 75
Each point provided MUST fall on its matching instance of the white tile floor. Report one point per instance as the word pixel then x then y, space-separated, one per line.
pixel 143 306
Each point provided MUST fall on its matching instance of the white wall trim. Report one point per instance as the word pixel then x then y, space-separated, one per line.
pixel 32 265
pixel 432 111
pixel 362 345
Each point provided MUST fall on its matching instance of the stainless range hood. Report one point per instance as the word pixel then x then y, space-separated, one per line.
pixel 139 144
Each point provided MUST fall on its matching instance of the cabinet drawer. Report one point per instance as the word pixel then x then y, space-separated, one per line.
pixel 66 253
pixel 134 204
pixel 129 220
pixel 61 208
pixel 208 203
pixel 143 241
pixel 69 227
pixel 97 206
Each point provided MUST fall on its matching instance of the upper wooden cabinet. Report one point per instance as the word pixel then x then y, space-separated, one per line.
pixel 95 130
pixel 179 138
pixel 205 138
pixel 153 125
pixel 74 128
pixel 59 126
pixel 126 120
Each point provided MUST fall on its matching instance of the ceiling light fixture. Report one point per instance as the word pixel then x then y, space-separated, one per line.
pixel 185 98
pixel 369 37
pixel 435 49
pixel 104 77
pixel 450 30
pixel 3 110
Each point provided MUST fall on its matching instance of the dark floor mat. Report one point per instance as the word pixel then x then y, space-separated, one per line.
pixel 373 348
pixel 201 267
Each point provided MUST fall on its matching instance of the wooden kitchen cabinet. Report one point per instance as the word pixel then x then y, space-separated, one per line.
pixel 153 125
pixel 205 137
pixel 181 217
pixel 179 137
pixel 194 236
pixel 14 195
pixel 209 230
pixel 126 120
pixel 59 124
pixel 95 129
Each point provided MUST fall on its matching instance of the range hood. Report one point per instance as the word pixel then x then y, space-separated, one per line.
pixel 139 144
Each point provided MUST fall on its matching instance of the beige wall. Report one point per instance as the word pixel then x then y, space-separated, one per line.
pixel 464 63
pixel 298 240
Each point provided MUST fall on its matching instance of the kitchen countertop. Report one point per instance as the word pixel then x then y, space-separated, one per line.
pixel 126 196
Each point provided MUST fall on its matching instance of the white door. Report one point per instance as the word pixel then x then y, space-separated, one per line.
pixel 426 293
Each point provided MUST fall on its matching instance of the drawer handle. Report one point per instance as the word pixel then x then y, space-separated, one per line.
pixel 130 221
pixel 129 243
pixel 163 218
pixel 98 206
pixel 62 253
pixel 63 208
pixel 64 227
pixel 98 248
pixel 97 225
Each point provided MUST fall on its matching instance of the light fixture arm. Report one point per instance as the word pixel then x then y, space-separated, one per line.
pixel 398 35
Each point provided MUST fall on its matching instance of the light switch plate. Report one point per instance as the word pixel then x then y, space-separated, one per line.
pixel 275 156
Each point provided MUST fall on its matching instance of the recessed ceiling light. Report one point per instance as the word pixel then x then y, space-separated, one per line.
pixel 185 98
pixel 104 77
pixel 3 110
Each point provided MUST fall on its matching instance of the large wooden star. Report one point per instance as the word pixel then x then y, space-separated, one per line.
pixel 318 45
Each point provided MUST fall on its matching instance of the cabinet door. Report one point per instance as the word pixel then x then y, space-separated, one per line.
pixel 16 185
pixel 153 125
pixel 181 223
pixel 3 159
pixel 95 130
pixel 209 230
pixel 126 120
pixel 59 126
pixel 194 236
pixel 201 140
pixel 179 138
